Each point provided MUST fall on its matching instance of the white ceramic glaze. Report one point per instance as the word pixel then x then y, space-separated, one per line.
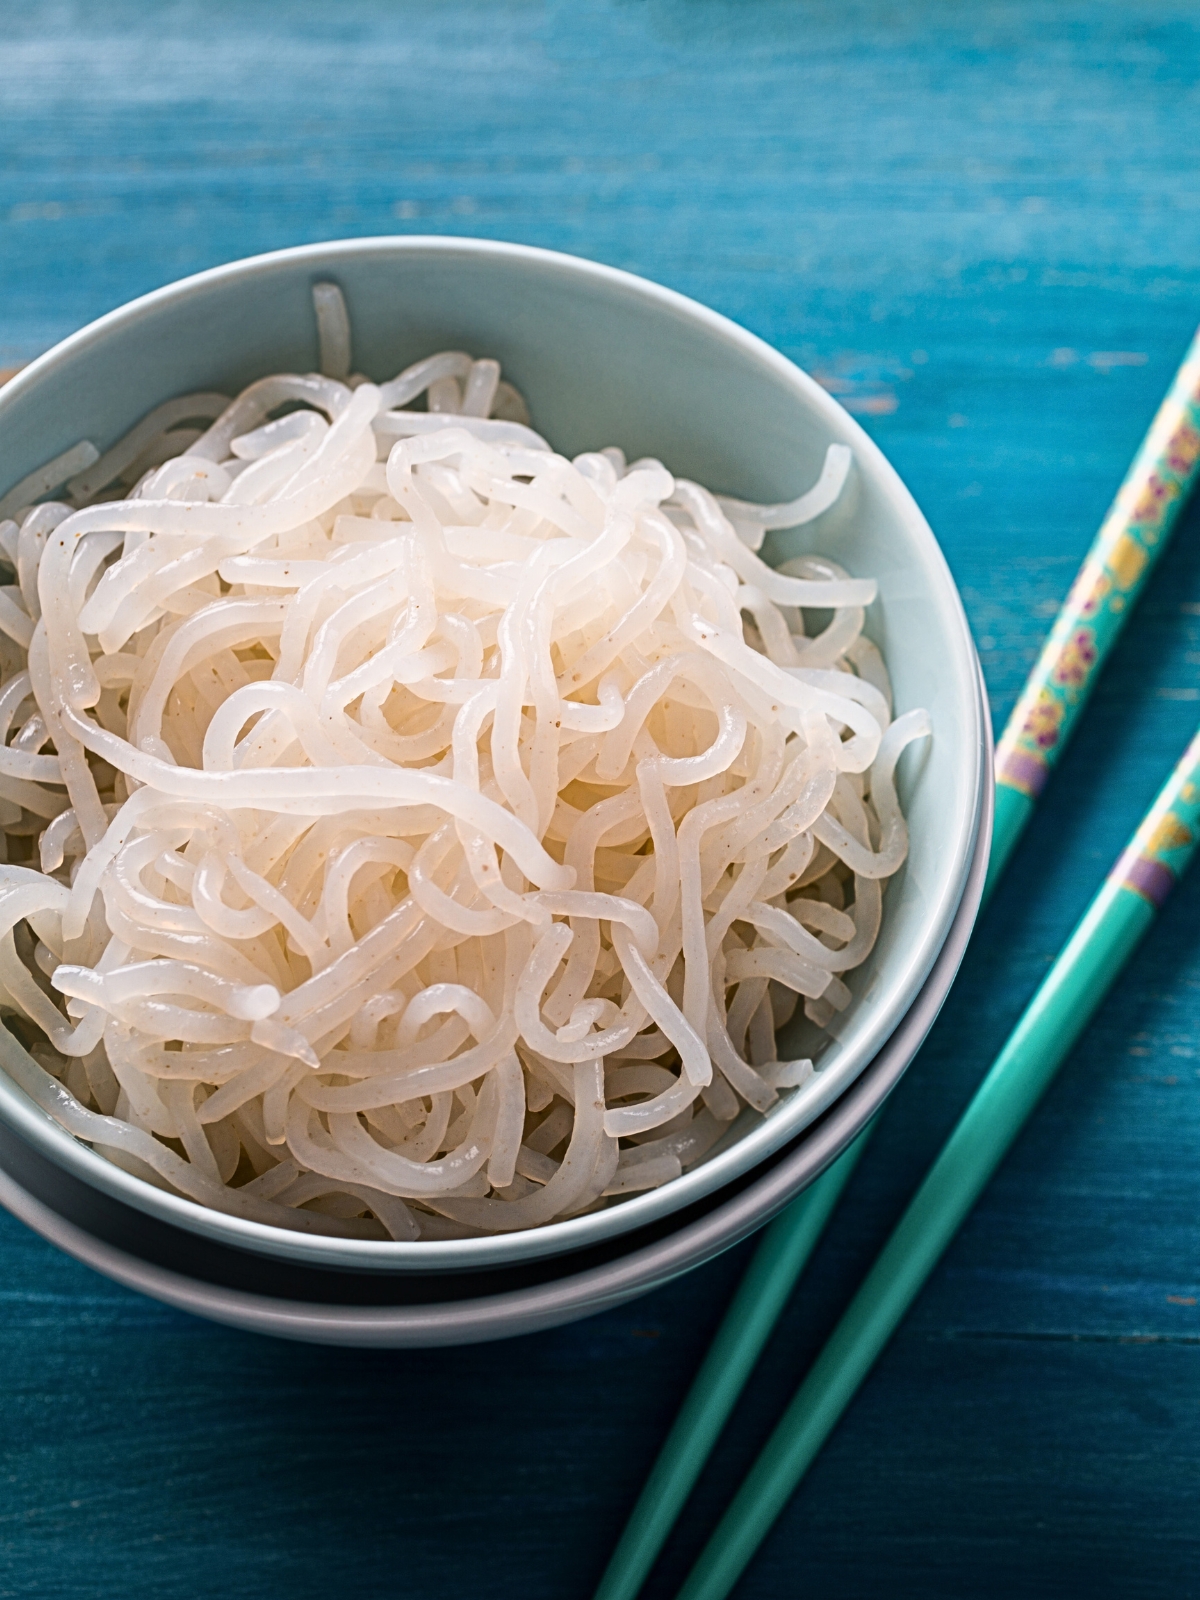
pixel 603 358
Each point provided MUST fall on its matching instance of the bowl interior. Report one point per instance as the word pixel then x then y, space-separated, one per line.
pixel 602 358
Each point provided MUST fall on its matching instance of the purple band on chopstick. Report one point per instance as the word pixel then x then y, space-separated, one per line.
pixel 1150 879
pixel 1163 845
pixel 1022 770
pixel 1129 542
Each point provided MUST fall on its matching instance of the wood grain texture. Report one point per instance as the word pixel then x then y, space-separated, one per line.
pixel 981 228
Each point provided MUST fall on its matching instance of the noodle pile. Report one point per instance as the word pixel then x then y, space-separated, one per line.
pixel 411 833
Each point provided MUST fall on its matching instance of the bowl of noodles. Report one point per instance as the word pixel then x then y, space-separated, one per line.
pixel 491 755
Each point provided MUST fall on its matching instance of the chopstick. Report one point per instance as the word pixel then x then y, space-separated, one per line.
pixel 767 1283
pixel 1114 571
pixel 1068 998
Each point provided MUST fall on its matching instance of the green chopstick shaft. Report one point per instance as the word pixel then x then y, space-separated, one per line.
pixel 1059 1012
pixel 1132 536
pixel 1120 559
pixel 778 1261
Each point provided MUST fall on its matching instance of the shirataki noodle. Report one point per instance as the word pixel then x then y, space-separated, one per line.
pixel 411 833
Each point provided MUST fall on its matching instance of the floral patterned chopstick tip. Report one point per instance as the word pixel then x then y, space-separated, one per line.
pixel 1164 844
pixel 1131 538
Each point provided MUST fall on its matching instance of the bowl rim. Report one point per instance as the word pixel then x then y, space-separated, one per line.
pixel 774 1131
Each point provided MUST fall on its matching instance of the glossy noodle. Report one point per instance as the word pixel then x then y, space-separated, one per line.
pixel 410 832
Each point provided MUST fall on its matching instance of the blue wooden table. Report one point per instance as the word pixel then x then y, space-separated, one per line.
pixel 980 227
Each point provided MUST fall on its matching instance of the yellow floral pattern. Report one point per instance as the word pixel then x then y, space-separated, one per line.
pixel 1164 844
pixel 1076 660
pixel 1117 565
pixel 1043 722
pixel 1169 833
pixel 1128 561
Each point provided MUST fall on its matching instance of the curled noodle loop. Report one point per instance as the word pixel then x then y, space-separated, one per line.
pixel 432 832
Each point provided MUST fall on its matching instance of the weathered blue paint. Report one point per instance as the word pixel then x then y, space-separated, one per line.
pixel 981 227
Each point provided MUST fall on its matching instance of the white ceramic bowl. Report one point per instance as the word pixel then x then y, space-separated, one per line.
pixel 603 358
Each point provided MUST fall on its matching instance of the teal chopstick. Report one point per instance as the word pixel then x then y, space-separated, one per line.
pixel 778 1261
pixel 1061 1009
pixel 1113 573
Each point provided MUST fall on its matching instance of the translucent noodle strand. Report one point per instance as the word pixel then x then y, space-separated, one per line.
pixel 410 832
